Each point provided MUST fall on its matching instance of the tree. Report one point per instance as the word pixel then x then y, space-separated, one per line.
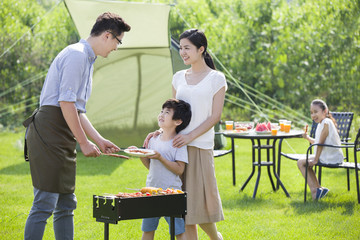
pixel 283 53
pixel 292 52
pixel 30 38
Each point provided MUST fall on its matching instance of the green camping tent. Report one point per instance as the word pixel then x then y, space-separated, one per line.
pixel 130 85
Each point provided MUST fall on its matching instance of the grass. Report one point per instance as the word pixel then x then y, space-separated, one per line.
pixel 270 216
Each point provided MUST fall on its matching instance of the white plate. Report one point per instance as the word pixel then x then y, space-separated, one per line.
pixel 242 133
pixel 263 132
pixel 236 132
pixel 140 152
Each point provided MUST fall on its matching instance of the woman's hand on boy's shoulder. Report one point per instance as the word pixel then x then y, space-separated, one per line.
pixel 149 136
pixel 181 140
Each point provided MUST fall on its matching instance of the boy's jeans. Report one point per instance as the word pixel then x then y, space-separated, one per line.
pixel 45 204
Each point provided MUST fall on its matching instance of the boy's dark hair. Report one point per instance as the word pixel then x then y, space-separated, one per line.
pixel 182 111
pixel 109 22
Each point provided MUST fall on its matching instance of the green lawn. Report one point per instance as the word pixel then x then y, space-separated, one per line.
pixel 270 216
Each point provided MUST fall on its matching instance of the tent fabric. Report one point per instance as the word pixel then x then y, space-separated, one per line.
pixel 130 85
pixel 149 22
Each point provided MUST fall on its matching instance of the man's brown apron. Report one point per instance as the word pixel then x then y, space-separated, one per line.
pixel 52 153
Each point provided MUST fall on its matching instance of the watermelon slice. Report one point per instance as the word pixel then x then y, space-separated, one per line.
pixel 268 126
pixel 260 127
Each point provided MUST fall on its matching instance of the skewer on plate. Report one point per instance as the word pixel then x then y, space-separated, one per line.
pixel 115 155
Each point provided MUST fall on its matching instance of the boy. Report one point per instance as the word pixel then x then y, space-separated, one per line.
pixel 168 162
pixel 61 121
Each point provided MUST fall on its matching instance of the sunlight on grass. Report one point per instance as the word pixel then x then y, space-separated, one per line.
pixel 270 216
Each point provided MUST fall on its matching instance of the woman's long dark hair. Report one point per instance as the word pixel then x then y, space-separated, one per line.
pixel 198 38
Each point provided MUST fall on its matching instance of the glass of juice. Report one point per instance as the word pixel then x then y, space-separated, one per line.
pixel 287 126
pixel 282 125
pixel 274 129
pixel 229 125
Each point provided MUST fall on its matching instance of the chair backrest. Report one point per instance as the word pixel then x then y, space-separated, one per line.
pixel 357 145
pixel 357 141
pixel 313 129
pixel 343 120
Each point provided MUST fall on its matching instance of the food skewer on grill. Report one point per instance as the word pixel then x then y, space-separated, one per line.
pixel 149 191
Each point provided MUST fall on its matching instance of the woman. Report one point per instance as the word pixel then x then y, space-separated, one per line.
pixel 204 89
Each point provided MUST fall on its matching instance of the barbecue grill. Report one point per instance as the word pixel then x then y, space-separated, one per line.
pixel 111 209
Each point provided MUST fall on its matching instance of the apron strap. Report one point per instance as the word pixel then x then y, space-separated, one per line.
pixel 26 124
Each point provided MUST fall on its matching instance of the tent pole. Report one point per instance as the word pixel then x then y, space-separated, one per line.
pixel 137 102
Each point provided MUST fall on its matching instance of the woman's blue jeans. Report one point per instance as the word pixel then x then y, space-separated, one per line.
pixel 45 204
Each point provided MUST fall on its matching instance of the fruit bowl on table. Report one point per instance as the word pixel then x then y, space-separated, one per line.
pixel 244 126
pixel 238 132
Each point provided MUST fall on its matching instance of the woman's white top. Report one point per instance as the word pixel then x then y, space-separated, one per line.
pixel 200 97
pixel 329 155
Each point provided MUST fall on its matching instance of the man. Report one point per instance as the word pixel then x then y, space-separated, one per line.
pixel 61 121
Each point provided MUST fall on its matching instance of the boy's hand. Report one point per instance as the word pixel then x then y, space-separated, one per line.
pixel 157 156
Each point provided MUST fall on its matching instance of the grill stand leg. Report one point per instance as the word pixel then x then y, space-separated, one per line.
pixel 106 231
pixel 172 228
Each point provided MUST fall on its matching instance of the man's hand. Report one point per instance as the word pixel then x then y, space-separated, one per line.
pixel 107 146
pixel 89 149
